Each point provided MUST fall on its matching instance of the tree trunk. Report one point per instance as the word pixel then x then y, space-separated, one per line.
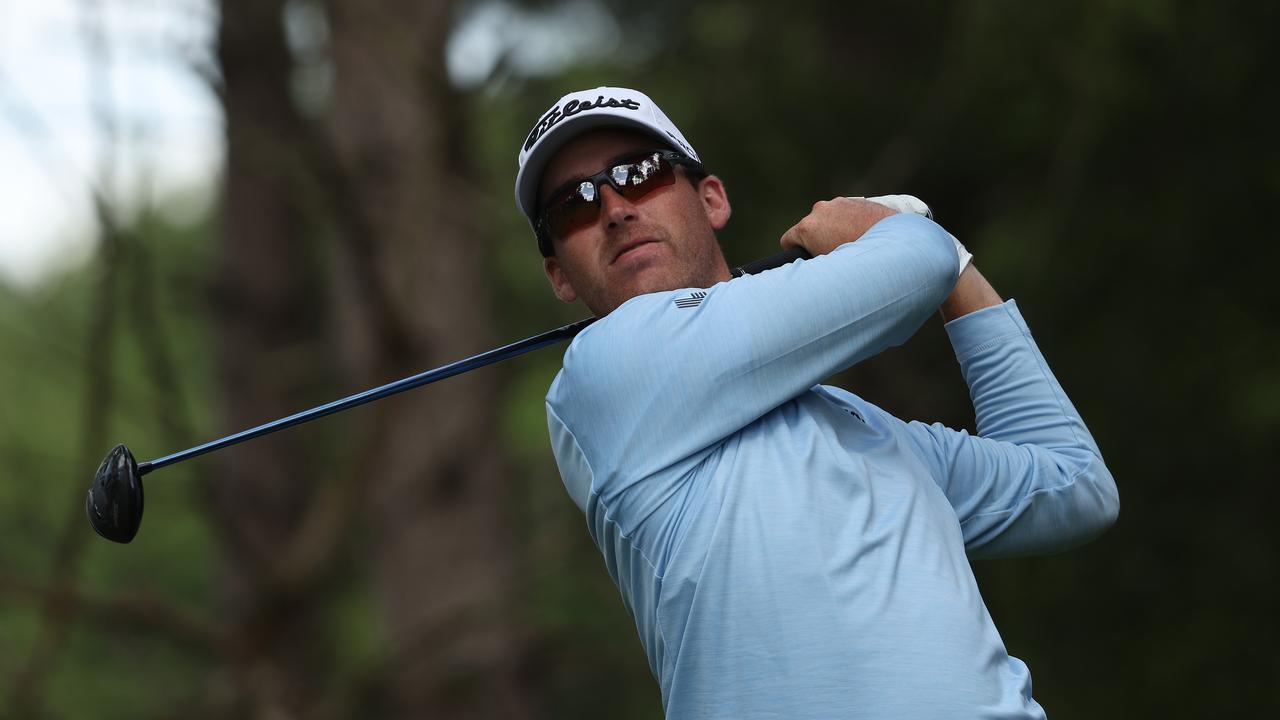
pixel 407 288
pixel 269 361
pixel 440 549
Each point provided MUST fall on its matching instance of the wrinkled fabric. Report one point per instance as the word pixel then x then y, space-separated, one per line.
pixel 787 549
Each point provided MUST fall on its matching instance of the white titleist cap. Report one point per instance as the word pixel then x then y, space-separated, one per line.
pixel 579 112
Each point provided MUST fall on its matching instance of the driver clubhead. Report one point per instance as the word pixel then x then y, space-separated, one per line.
pixel 114 504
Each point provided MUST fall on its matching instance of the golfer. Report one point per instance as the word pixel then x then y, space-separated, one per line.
pixel 787 549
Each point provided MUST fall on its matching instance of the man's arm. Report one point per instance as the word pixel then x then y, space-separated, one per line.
pixel 1032 480
pixel 657 382
pixel 972 292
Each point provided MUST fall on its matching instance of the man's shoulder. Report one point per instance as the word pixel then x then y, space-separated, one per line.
pixel 604 352
pixel 644 329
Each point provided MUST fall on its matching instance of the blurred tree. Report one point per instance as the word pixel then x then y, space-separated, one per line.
pixel 373 204
pixel 270 324
pixel 412 296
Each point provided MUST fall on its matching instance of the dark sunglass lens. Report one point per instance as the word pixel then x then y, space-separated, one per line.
pixel 640 178
pixel 575 209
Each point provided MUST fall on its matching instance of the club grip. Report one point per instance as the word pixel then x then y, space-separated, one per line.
pixel 773 261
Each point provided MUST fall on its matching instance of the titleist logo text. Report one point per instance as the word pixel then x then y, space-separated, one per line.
pixel 571 108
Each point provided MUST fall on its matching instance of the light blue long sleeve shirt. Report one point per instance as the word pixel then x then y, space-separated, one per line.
pixel 787 549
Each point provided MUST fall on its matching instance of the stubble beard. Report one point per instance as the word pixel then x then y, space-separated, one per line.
pixel 703 267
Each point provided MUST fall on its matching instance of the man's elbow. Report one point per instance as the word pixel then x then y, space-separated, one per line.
pixel 1050 522
pixel 1097 499
pixel 1085 507
pixel 1111 508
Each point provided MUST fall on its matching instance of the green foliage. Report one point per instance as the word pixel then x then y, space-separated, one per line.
pixel 52 440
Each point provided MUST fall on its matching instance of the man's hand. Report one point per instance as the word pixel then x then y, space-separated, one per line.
pixel 913 204
pixel 902 203
pixel 833 223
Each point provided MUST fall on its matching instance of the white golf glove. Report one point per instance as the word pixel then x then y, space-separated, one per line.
pixel 913 204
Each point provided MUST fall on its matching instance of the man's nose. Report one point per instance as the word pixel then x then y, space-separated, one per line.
pixel 615 208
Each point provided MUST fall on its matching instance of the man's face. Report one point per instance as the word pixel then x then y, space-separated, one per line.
pixel 662 241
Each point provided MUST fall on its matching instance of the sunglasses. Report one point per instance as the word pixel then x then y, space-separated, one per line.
pixel 576 204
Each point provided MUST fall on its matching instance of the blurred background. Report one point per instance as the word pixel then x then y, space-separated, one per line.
pixel 215 213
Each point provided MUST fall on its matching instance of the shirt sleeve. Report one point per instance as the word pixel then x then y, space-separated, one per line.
pixel 658 381
pixel 1033 480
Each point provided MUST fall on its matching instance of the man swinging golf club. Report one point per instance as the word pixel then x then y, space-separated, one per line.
pixel 787 549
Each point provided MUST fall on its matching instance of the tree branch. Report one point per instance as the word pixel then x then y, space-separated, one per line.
pixel 56 613
pixel 124 613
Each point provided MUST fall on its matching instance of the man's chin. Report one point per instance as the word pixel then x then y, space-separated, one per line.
pixel 652 279
pixel 643 283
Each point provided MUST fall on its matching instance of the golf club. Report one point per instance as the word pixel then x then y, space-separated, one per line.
pixel 114 502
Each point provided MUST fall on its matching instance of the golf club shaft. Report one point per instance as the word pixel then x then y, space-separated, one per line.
pixel 505 352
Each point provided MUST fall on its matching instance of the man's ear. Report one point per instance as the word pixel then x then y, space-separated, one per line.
pixel 559 282
pixel 715 201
